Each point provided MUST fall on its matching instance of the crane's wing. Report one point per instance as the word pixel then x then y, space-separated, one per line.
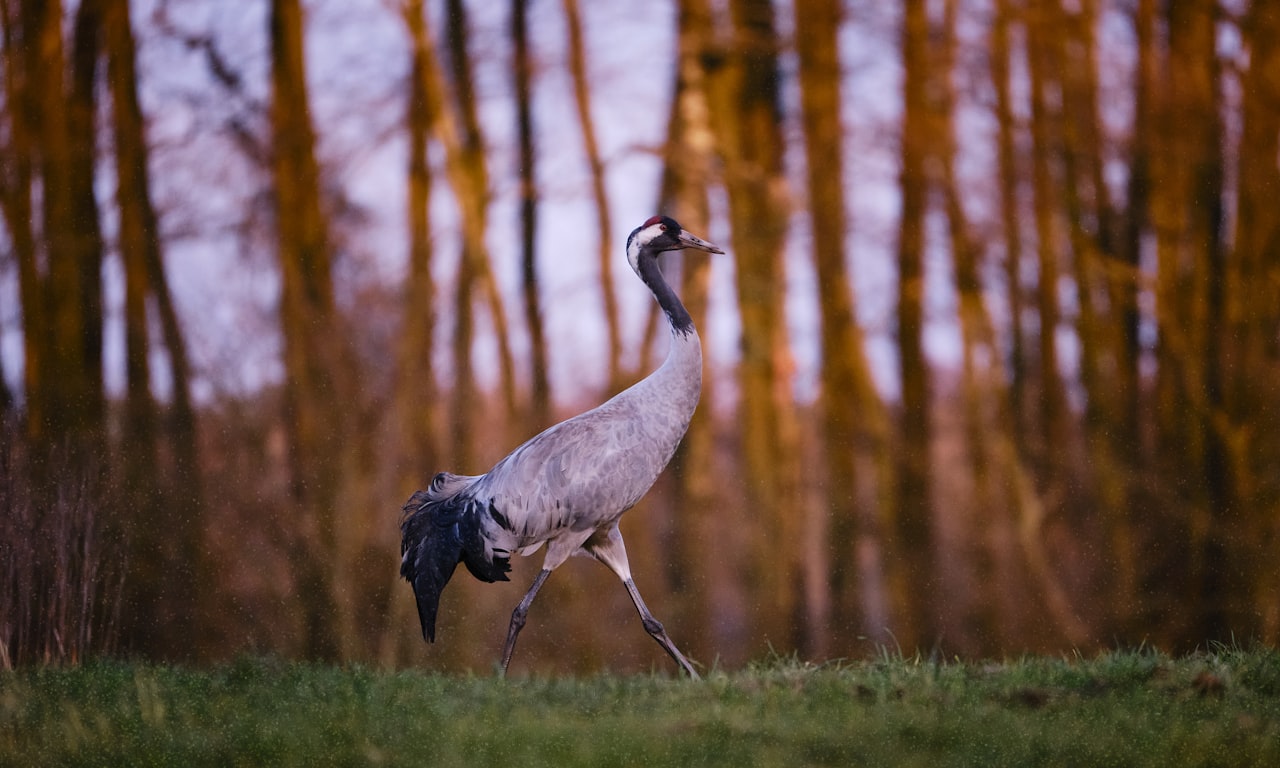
pixel 582 473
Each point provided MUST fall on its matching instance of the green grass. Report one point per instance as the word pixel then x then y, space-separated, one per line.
pixel 1123 709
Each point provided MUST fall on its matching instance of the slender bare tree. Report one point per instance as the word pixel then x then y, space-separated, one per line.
pixel 853 417
pixel 313 350
pixel 599 194
pixel 746 111
pixel 1188 218
pixel 522 70
pixel 165 562
pixel 910 539
pixel 1253 358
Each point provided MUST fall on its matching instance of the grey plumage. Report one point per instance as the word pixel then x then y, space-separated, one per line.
pixel 567 487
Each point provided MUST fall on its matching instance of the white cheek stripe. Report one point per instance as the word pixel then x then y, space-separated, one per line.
pixel 642 238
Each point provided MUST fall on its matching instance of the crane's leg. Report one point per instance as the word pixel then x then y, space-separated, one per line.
pixel 518 617
pixel 610 550
pixel 656 630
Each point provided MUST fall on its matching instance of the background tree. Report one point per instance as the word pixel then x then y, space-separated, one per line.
pixel 1188 219
pixel 1252 352
pixel 458 129
pixel 314 352
pixel 910 536
pixel 852 415
pixel 590 145
pixel 688 175
pixel 165 557
pixel 522 74
pixel 746 119
pixel 60 262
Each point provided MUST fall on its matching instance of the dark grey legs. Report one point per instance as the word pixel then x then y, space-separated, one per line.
pixel 518 617
pixel 651 625
pixel 656 630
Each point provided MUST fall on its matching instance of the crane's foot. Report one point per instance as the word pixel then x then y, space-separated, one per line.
pixel 657 631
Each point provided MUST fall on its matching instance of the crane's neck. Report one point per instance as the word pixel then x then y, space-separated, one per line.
pixel 673 390
pixel 677 315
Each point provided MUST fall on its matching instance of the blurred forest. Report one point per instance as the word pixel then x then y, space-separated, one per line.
pixel 993 365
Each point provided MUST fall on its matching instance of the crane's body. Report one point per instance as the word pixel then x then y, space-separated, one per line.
pixel 582 474
pixel 567 487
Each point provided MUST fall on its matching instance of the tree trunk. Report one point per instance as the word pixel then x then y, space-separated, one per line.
pixel 1010 216
pixel 1187 211
pixel 174 559
pixel 1252 367
pixel 148 561
pixel 910 550
pixel 1124 516
pixel 471 183
pixel 415 407
pixel 540 405
pixel 746 117
pixel 312 344
pixel 599 195
pixel 67 349
pixel 22 85
pixel 852 415
pixel 86 400
pixel 465 397
pixel 1087 208
pixel 710 588
pixel 980 618
pixel 1052 425
pixel 456 124
pixel 415 415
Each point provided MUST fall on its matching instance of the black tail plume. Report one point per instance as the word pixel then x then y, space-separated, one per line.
pixel 430 549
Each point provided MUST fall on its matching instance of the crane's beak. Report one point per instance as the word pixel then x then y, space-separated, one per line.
pixel 687 240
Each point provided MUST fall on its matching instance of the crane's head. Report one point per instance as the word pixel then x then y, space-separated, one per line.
pixel 662 233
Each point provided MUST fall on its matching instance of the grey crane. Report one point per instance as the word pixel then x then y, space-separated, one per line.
pixel 568 486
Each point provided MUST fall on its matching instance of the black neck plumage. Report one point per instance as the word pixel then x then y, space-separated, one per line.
pixel 677 315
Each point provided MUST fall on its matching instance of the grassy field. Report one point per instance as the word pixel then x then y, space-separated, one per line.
pixel 1123 709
